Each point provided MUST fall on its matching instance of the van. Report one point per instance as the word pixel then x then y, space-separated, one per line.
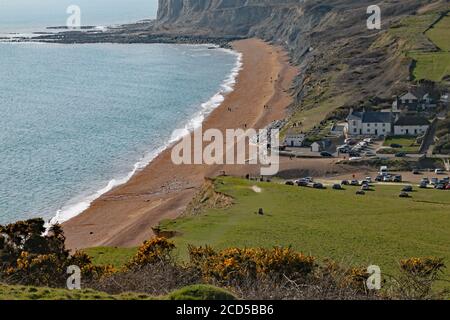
pixel 384 170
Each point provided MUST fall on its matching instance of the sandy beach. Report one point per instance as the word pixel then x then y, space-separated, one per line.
pixel 124 216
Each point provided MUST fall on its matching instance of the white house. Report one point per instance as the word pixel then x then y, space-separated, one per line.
pixel 369 123
pixel 411 126
pixel 316 147
pixel 294 139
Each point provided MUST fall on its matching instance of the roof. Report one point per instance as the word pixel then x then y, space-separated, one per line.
pixel 377 117
pixel 412 121
pixel 408 96
pixel 355 116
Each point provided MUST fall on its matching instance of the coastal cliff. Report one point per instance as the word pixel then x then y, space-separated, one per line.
pixel 342 62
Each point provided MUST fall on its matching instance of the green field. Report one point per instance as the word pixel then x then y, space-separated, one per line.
pixel 431 66
pixel 440 34
pixel 117 257
pixel 409 144
pixel 379 228
pixel 434 65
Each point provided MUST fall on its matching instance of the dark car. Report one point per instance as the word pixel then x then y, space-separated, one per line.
pixel 440 186
pixel 345 182
pixel 290 183
pixel 416 171
pixel 398 179
pixel 326 154
pixel 396 146
pixel 354 183
pixel 337 187
pixel 318 186
pixel 400 155
pixel 407 189
pixel 404 195
pixel 379 178
pixel 360 193
pixel 423 185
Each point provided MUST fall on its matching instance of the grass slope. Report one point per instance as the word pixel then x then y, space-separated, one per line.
pixel 195 292
pixel 379 228
pixel 116 257
pixel 33 293
pixel 409 144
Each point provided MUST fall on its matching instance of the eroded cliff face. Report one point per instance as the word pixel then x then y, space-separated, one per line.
pixel 341 61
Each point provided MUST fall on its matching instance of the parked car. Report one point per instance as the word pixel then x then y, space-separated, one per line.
pixel 326 154
pixel 309 179
pixel 365 187
pixel 360 193
pixel 368 140
pixel 302 183
pixel 426 180
pixel 318 186
pixel 396 146
pixel 404 195
pixel 355 159
pixel 354 154
pixel 345 182
pixel 398 178
pixel 434 181
pixel 370 154
pixel 354 183
pixel 337 187
pixel 400 155
pixel 440 186
pixel 447 187
pixel 423 185
pixel 379 178
pixel 290 183
pixel 439 171
pixel 369 179
pixel 408 189
pixel 387 178
pixel 416 171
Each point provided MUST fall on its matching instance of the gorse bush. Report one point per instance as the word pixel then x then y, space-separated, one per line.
pixel 236 264
pixel 29 257
pixel 151 252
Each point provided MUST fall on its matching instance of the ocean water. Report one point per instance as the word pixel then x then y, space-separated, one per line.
pixel 77 120
pixel 26 16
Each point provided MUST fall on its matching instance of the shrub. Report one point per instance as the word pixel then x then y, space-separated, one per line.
pixel 151 252
pixel 237 265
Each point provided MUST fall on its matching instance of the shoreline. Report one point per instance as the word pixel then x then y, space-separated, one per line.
pixel 74 208
pixel 125 215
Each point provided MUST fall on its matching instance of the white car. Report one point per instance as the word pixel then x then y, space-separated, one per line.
pixel 439 171
pixel 355 159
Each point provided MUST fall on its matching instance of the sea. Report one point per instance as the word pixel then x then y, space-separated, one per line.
pixel 78 120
